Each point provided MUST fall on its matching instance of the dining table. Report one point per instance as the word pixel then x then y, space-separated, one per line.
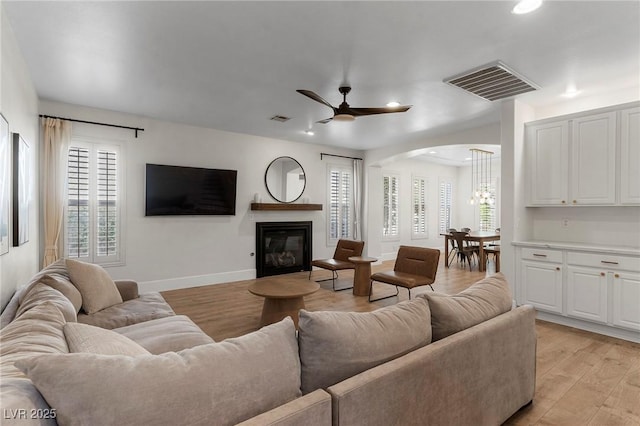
pixel 480 237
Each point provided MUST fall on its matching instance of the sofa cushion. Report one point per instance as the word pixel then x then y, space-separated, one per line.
pixel 41 293
pixel 65 287
pixel 147 307
pixel 169 334
pixel 337 345
pixel 37 331
pixel 95 285
pixel 95 340
pixel 483 300
pixel 222 383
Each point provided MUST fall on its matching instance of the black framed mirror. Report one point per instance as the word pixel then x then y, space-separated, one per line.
pixel 285 179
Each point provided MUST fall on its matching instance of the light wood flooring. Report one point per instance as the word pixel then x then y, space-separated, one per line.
pixel 581 378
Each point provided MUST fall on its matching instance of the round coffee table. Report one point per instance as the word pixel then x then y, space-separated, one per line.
pixel 283 297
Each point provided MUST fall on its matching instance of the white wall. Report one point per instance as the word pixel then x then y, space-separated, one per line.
pixel 180 251
pixel 19 105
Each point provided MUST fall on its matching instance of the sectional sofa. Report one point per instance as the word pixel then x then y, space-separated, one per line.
pixel 78 348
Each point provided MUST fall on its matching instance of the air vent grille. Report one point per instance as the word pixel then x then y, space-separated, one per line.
pixel 280 118
pixel 492 82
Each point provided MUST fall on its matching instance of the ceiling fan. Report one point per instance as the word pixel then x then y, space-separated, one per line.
pixel 346 113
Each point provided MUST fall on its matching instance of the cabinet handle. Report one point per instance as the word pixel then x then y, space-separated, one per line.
pixel 563 202
pixel 602 274
pixel 557 268
pixel 617 275
pixel 608 262
pixel 575 202
pixel 539 255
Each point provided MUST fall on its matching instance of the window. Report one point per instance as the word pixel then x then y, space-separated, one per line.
pixel 444 205
pixel 92 216
pixel 419 201
pixel 340 203
pixel 390 218
pixel 488 210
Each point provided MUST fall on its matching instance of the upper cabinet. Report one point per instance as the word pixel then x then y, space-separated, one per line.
pixel 586 159
pixel 630 156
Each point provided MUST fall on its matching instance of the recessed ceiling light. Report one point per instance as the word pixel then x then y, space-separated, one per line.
pixel 571 93
pixel 393 104
pixel 468 159
pixel 309 132
pixel 432 152
pixel 526 6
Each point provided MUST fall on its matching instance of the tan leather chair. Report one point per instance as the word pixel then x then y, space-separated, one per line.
pixel 415 266
pixel 340 260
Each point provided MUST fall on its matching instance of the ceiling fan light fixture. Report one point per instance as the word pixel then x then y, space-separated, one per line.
pixel 393 104
pixel 344 117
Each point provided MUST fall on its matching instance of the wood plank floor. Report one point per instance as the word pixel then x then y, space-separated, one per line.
pixel 581 378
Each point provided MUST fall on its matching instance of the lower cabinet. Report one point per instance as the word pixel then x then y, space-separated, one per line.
pixel 601 288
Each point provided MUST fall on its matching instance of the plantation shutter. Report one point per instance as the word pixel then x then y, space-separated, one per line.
pixel 340 204
pixel 78 223
pixel 107 214
pixel 419 201
pixel 390 187
pixel 444 200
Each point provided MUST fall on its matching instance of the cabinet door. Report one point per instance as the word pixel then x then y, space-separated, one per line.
pixel 626 300
pixel 593 165
pixel 587 293
pixel 630 156
pixel 542 285
pixel 548 159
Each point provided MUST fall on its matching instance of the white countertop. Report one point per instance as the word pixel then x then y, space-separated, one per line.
pixel 621 250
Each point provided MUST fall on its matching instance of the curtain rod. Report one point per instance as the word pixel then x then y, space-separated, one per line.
pixel 136 129
pixel 322 154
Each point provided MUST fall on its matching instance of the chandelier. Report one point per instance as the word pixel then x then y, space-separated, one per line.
pixel 481 177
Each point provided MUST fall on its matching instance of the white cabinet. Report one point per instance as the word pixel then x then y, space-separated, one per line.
pixel 626 300
pixel 593 161
pixel 585 159
pixel 548 167
pixel 630 156
pixel 587 293
pixel 541 276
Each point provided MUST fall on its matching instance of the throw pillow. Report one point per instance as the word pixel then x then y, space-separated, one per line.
pixel 338 345
pixel 94 340
pixel 218 383
pixel 484 300
pixel 65 287
pixel 95 285
pixel 41 293
pixel 37 331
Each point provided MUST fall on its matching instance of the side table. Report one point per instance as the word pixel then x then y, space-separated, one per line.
pixel 362 274
pixel 282 297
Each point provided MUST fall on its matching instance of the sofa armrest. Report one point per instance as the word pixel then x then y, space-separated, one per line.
pixel 128 289
pixel 481 375
pixel 313 409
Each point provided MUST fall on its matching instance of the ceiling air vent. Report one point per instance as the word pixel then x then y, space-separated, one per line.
pixel 280 118
pixel 492 82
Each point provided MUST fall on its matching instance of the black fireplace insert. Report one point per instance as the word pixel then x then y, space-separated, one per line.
pixel 282 247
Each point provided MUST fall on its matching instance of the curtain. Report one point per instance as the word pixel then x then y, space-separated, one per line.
pixel 57 134
pixel 357 199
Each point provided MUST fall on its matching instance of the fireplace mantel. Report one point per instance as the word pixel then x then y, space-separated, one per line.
pixel 285 206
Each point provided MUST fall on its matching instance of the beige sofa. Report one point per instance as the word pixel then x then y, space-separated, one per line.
pixel 466 359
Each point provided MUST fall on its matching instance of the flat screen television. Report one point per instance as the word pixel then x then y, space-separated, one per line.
pixel 176 190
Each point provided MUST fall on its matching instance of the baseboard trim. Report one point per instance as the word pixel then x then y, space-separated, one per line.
pixel 197 280
pixel 618 333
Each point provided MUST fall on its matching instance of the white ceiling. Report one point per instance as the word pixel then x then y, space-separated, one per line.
pixel 233 65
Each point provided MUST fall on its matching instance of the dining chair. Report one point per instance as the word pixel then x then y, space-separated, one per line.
pixel 465 250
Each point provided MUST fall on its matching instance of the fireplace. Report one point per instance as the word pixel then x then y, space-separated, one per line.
pixel 282 247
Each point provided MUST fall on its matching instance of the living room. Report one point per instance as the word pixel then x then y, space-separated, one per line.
pixel 166 253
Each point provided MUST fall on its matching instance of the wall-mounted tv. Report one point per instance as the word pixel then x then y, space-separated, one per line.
pixel 176 190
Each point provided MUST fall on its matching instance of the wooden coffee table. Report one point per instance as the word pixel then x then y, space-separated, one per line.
pixel 362 274
pixel 283 297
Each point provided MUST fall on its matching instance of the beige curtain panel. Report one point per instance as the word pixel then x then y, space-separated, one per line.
pixel 57 134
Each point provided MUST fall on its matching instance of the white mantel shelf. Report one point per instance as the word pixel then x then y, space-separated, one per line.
pixel 625 251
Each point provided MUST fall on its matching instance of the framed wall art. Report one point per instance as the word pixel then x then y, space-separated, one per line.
pixel 21 182
pixel 5 185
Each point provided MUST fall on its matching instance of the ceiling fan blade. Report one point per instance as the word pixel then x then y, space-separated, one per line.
pixel 325 121
pixel 317 98
pixel 383 110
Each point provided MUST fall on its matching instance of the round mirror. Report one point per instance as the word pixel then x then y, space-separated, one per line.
pixel 285 179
